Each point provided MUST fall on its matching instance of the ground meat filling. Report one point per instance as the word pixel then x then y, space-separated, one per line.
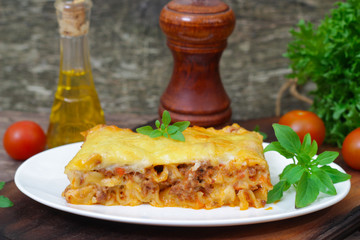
pixel 194 181
pixel 149 186
pixel 184 181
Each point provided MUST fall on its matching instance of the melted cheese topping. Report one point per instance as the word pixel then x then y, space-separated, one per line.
pixel 106 147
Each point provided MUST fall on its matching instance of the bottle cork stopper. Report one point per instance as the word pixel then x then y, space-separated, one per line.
pixel 73 17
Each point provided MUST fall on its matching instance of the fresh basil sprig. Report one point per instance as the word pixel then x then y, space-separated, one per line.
pixel 165 129
pixel 309 174
pixel 4 201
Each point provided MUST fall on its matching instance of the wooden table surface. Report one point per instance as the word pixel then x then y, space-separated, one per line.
pixel 28 219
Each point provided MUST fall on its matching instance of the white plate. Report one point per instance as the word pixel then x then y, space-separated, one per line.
pixel 42 178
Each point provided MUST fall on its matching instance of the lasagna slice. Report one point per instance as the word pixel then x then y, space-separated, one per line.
pixel 212 168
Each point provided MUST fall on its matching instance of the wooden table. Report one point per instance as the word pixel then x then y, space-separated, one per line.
pixel 28 219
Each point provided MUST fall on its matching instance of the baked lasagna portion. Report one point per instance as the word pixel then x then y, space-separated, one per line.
pixel 212 168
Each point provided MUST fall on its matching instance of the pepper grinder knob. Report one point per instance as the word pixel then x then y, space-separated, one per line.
pixel 197 32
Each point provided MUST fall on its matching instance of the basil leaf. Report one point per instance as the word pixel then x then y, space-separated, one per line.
pixel 277 192
pixel 306 144
pixel 286 170
pixel 303 159
pixel 172 129
pixel 166 119
pixel 156 133
pixel 276 146
pixel 326 157
pixel 5 202
pixel 146 130
pixel 313 149
pixel 178 136
pixel 308 147
pixel 257 129
pixel 307 191
pixel 2 184
pixel 182 125
pixel 292 174
pixel 323 181
pixel 287 138
pixel 335 175
pixel 164 129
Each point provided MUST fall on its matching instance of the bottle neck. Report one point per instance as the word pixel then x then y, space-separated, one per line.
pixel 74 54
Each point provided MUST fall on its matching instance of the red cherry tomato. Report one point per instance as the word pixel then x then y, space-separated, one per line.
pixel 351 149
pixel 303 122
pixel 24 139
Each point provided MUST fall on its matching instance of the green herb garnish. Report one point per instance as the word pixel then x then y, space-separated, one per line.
pixel 309 174
pixel 4 201
pixel 329 56
pixel 257 129
pixel 165 129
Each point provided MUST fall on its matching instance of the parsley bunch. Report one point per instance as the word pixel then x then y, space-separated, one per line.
pixel 309 174
pixel 4 201
pixel 165 129
pixel 329 56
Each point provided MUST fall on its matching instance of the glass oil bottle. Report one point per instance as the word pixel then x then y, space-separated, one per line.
pixel 76 106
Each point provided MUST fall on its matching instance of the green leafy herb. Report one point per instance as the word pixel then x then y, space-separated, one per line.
pixel 329 56
pixel 4 201
pixel 257 129
pixel 309 174
pixel 165 129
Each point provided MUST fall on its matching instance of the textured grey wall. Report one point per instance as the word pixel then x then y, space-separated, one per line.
pixel 130 60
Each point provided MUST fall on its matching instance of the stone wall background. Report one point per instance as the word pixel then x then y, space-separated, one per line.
pixel 131 63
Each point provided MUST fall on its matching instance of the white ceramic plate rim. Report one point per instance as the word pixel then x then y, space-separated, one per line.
pixel 41 178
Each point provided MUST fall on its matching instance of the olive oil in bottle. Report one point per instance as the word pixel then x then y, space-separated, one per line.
pixel 76 106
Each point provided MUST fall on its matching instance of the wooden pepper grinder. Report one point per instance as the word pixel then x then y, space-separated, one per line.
pixel 197 32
